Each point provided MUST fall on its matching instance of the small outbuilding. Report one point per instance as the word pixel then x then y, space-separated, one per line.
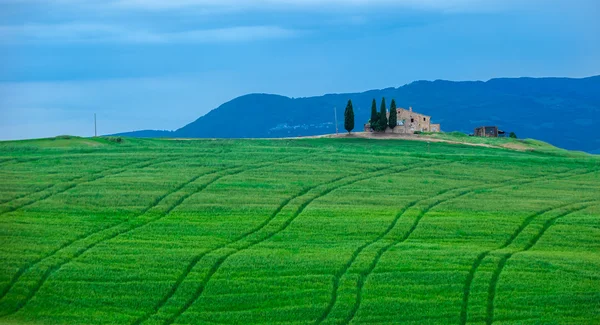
pixel 488 132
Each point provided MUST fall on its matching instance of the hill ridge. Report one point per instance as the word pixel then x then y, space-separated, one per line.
pixel 559 110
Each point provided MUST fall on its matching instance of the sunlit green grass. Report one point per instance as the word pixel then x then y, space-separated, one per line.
pixel 330 231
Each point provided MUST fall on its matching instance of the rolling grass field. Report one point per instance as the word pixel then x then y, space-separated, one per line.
pixel 309 231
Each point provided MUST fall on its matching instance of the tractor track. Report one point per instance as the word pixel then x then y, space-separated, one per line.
pixel 364 275
pixel 483 255
pixel 78 181
pixel 112 232
pixel 462 193
pixel 17 160
pixel 45 187
pixel 73 179
pixel 197 258
pixel 489 319
pixel 24 269
pixel 299 210
pixel 356 253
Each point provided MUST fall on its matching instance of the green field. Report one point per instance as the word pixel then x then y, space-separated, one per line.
pixel 307 231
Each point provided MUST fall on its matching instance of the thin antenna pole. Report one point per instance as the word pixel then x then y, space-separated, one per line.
pixel 95 128
pixel 336 124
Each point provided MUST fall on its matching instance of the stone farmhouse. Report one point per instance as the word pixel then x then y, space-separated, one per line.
pixel 408 122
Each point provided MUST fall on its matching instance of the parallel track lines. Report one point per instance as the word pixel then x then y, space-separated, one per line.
pixel 24 269
pixel 222 259
pixel 356 253
pixel 364 275
pixel 76 182
pixel 110 236
pixel 483 255
pixel 215 267
pixel 194 261
pixel 112 231
pixel 489 320
pixel 467 287
pixel 17 160
pixel 382 251
pixel 262 238
pixel 52 185
pixel 5 160
pixel 45 187
pixel 73 179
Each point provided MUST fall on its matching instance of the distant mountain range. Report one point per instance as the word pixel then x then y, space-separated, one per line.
pixel 562 111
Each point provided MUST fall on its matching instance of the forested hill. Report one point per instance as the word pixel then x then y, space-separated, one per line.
pixel 562 111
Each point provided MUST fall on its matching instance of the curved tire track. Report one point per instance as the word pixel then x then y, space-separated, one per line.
pixel 516 233
pixel 197 258
pixel 41 259
pixel 194 261
pixel 483 255
pixel 15 160
pixel 489 319
pixel 23 269
pixel 86 248
pixel 223 258
pixel 363 277
pixel 50 186
pixel 5 160
pixel 46 187
pixel 112 231
pixel 76 182
pixel 357 252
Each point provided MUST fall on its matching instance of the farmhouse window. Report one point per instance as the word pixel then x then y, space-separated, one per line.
pixel 412 120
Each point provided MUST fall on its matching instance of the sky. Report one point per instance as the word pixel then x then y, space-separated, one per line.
pixel 160 64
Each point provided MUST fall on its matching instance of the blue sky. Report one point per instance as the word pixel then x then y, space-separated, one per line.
pixel 160 64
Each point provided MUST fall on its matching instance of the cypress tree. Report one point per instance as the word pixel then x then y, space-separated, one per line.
pixel 383 122
pixel 349 117
pixel 374 121
pixel 392 121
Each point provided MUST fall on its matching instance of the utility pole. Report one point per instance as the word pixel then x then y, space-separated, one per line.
pixel 95 128
pixel 336 124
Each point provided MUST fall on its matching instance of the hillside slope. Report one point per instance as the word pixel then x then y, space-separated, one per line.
pixel 562 111
pixel 296 231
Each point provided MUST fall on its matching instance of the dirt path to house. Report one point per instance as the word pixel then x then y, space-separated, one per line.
pixel 415 137
pixel 392 136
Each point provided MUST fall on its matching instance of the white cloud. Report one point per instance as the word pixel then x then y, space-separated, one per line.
pixel 236 5
pixel 107 20
pixel 290 4
pixel 83 32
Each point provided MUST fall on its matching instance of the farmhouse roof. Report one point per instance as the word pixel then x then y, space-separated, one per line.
pixel 411 111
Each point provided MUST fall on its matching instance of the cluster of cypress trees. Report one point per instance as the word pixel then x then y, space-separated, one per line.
pixel 379 120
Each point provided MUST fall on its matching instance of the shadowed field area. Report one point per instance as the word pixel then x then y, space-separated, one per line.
pixel 298 231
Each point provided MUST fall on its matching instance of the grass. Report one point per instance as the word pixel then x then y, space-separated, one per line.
pixel 500 142
pixel 308 231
